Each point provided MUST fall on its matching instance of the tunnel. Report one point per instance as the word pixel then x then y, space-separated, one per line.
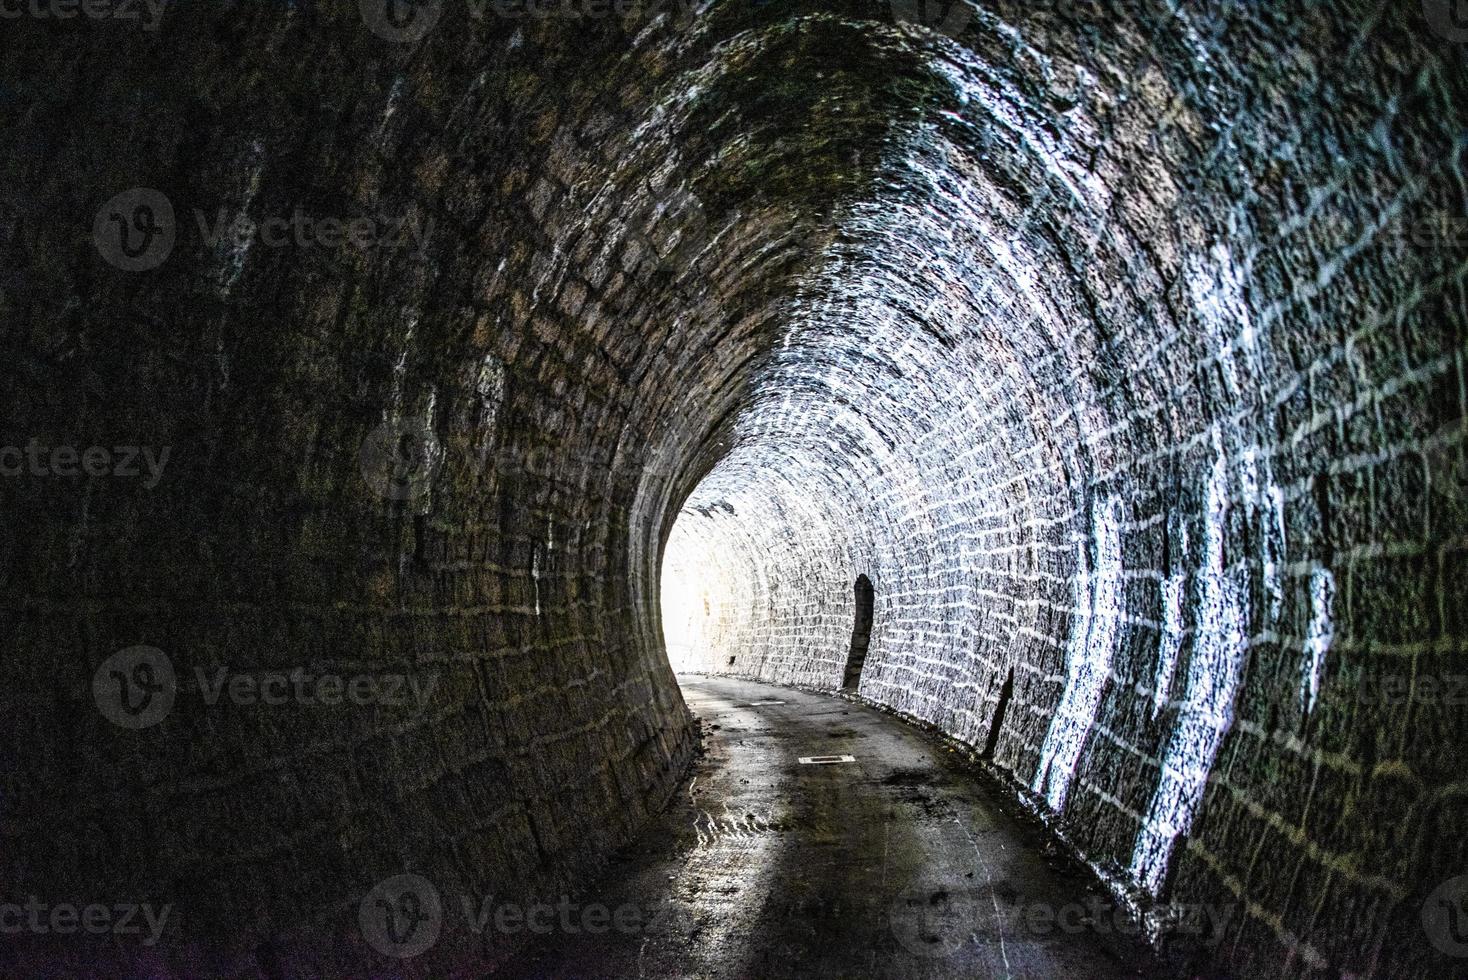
pixel 469 460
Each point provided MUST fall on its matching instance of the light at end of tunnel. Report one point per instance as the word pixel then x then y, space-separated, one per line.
pixel 691 591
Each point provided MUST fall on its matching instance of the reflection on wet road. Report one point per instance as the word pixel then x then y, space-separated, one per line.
pixel 896 863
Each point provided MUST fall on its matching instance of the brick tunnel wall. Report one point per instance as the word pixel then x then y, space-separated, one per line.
pixel 446 457
pixel 1139 380
pixel 1117 348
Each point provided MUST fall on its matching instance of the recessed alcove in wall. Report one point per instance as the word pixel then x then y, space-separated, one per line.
pixel 861 633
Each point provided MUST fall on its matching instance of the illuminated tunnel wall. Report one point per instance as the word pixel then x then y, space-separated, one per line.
pixel 1121 348
pixel 1139 378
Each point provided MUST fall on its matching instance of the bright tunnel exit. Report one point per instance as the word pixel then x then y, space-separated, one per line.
pixel 758 571
pixel 693 596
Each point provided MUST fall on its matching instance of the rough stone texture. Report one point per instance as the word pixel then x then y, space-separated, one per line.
pixel 1098 338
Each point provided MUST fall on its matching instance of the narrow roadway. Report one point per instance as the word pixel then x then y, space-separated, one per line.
pixel 898 864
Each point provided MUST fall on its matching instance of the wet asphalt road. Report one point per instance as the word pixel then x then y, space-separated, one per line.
pixel 899 864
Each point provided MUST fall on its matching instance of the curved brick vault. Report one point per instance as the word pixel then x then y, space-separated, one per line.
pixel 1123 350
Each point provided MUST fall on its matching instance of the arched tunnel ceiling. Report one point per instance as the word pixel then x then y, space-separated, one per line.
pixel 1097 338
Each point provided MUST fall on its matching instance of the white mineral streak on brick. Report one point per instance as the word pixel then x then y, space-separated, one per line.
pixel 1171 642
pixel 389 109
pixel 490 386
pixel 237 247
pixel 535 577
pixel 1221 613
pixel 1274 548
pixel 400 371
pixel 1218 297
pixel 1098 597
pixel 1220 644
pixel 1265 502
pixel 1318 635
pixel 998 102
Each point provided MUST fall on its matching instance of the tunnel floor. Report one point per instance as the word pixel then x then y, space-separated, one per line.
pixel 901 863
